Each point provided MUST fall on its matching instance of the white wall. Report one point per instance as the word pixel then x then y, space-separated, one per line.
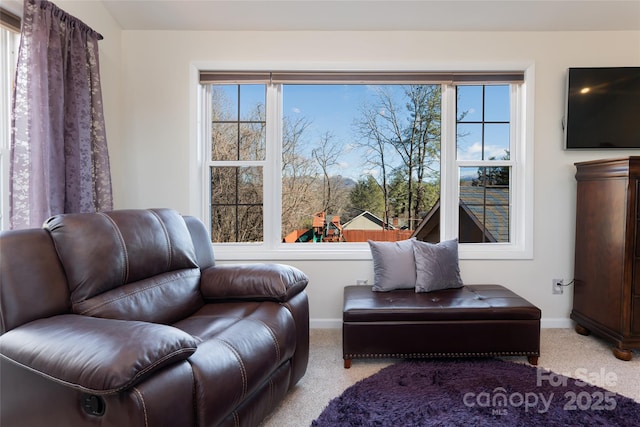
pixel 153 117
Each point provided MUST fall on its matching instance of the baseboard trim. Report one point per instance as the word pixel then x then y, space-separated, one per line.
pixel 560 322
pixel 325 323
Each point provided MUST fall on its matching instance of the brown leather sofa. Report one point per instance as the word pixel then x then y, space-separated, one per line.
pixel 124 319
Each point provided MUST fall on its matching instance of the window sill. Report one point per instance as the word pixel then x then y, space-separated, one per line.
pixel 355 252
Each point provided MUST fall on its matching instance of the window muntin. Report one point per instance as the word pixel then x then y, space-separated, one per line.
pixel 519 224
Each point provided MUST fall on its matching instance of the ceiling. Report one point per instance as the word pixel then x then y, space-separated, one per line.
pixel 458 15
pixel 367 15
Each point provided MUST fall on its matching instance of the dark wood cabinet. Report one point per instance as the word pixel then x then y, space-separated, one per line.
pixel 606 296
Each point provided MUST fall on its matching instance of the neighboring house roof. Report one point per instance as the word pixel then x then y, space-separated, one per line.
pixel 490 204
pixel 485 209
pixel 428 230
pixel 366 221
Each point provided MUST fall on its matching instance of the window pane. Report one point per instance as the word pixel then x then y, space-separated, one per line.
pixel 469 104
pixel 225 102
pixel 223 224
pixel 496 141
pixel 224 137
pixel 497 106
pixel 252 141
pixel 469 137
pixel 238 139
pixel 485 194
pixel 249 185
pixel 252 101
pixel 359 162
pixel 236 204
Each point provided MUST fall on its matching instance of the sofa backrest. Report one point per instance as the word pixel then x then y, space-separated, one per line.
pixel 201 242
pixel 32 282
pixel 128 264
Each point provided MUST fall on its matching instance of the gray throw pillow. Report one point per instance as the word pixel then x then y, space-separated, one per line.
pixel 437 265
pixel 394 265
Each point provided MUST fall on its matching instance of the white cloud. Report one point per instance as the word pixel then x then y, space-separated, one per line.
pixel 495 151
pixel 474 152
pixel 347 148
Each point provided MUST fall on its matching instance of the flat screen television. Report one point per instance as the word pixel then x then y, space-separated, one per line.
pixel 602 108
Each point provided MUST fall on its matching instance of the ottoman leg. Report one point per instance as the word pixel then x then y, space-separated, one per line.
pixel 347 363
pixel 533 360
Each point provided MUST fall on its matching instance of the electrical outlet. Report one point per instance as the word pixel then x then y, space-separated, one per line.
pixel 556 286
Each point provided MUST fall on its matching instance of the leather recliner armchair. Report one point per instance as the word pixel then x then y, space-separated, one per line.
pixel 123 318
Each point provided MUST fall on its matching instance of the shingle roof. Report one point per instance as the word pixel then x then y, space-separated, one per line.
pixel 484 206
pixel 488 206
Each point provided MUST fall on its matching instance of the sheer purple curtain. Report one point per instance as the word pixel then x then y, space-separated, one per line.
pixel 59 156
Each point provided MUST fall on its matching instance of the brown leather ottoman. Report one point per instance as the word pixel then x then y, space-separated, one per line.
pixel 475 320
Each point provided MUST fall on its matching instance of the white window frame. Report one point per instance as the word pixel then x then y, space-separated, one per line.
pixel 521 238
pixel 8 58
pixel 520 245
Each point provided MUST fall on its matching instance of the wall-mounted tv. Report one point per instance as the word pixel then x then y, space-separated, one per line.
pixel 602 108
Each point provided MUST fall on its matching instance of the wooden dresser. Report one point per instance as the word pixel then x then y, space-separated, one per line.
pixel 606 297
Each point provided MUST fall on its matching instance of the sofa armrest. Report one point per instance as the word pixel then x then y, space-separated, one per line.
pixel 95 355
pixel 259 282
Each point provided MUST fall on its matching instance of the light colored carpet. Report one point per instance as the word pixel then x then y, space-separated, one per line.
pixel 563 351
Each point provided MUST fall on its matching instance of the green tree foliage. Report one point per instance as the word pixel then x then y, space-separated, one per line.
pixel 367 195
pixel 493 176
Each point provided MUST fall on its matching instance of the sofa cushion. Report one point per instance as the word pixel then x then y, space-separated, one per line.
pixel 242 344
pixel 133 245
pixel 132 301
pixel 94 355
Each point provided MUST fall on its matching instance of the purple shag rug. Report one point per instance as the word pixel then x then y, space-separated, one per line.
pixel 479 392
